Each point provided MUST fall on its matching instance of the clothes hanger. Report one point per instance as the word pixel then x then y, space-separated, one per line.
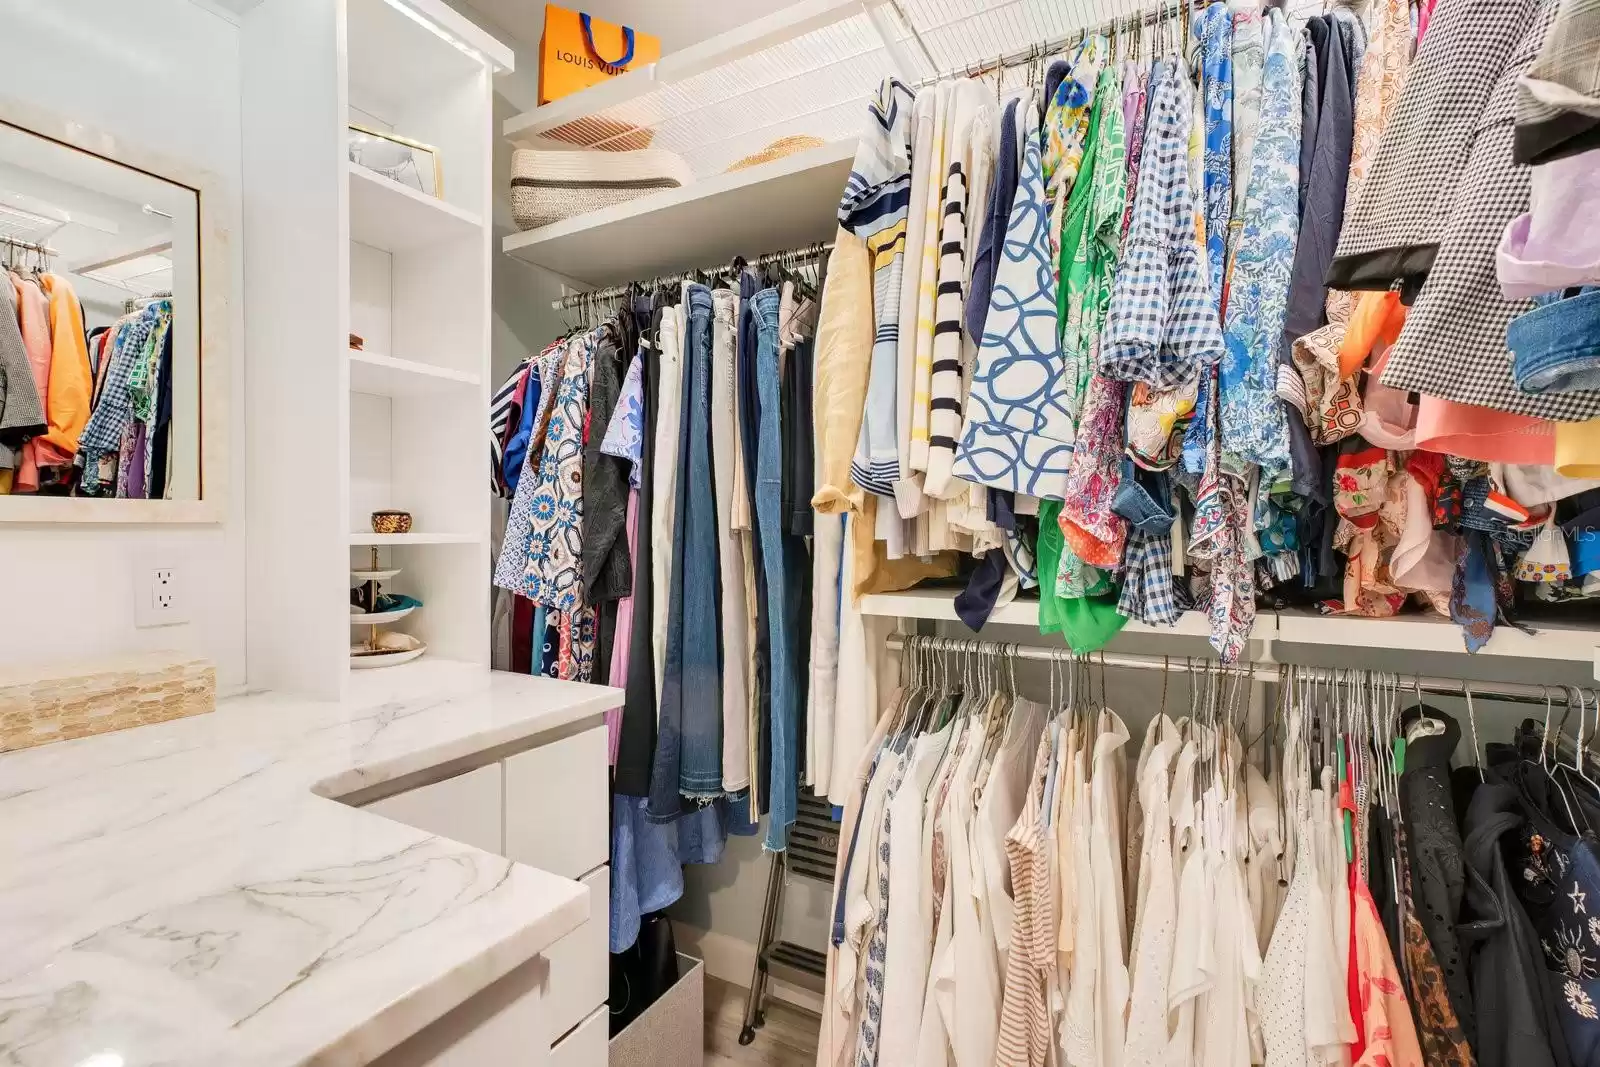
pixel 1472 722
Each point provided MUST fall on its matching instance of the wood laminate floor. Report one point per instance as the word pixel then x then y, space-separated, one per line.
pixel 788 1040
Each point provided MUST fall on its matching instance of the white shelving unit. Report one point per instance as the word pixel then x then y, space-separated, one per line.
pixel 334 250
pixel 939 605
pixel 782 204
pixel 1405 633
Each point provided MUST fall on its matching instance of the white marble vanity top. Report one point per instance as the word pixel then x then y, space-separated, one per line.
pixel 181 895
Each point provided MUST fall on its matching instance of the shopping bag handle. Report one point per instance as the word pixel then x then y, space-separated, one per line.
pixel 588 38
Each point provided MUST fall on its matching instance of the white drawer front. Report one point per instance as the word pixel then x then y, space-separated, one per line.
pixel 466 808
pixel 580 963
pixel 502 1026
pixel 557 813
pixel 587 1046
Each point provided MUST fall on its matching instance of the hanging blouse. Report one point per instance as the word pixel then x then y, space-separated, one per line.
pixel 1066 127
pixel 1253 426
pixel 946 389
pixel 933 112
pixel 873 208
pixel 1019 432
pixel 552 574
pixel 1161 328
pixel 1378 88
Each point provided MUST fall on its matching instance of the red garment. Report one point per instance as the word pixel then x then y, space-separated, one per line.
pixel 521 635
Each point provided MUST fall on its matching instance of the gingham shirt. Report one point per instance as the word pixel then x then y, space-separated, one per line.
pixel 1162 328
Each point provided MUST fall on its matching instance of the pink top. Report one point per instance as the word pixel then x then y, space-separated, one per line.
pixel 1483 433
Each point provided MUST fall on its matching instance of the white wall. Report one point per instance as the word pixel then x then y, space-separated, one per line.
pixel 163 75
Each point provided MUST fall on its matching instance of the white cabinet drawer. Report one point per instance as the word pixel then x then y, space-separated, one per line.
pixel 557 815
pixel 500 1026
pixel 466 808
pixel 587 1045
pixel 580 963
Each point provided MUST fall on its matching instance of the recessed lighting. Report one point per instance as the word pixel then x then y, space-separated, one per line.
pixel 441 33
pixel 102 1059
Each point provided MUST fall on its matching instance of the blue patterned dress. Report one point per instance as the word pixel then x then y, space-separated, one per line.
pixel 1253 423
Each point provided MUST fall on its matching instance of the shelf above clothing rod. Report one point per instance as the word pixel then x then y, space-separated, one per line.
pixel 792 256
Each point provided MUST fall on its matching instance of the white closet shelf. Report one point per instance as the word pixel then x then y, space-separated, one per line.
pixel 388 376
pixel 644 96
pixel 1405 633
pixel 1427 633
pixel 395 218
pixel 367 537
pixel 766 208
pixel 939 605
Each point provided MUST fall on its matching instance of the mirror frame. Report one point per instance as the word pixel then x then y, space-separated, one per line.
pixel 216 333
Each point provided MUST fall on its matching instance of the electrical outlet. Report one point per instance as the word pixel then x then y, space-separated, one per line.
pixel 158 596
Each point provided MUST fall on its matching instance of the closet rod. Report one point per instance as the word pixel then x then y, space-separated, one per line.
pixel 15 244
pixel 796 255
pixel 1510 692
pixel 1046 48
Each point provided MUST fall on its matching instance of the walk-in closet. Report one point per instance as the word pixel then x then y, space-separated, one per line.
pixel 868 532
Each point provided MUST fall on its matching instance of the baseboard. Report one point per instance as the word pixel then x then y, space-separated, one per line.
pixel 733 960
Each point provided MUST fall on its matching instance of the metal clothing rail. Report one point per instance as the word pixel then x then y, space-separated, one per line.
pixel 1043 49
pixel 1510 692
pixel 16 244
pixel 788 257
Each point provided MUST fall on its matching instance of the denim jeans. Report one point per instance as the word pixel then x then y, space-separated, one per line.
pixel 769 531
pixel 1556 347
pixel 691 694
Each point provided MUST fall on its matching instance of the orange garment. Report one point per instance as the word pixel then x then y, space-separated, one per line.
pixel 875 572
pixel 1385 1025
pixel 1474 432
pixel 1377 320
pixel 67 406
pixel 33 315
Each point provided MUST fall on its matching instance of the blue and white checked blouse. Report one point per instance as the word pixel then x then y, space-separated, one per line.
pixel 1162 327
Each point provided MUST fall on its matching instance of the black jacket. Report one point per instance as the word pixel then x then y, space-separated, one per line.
pixel 1517 1024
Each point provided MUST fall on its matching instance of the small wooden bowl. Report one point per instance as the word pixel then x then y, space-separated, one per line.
pixel 391 522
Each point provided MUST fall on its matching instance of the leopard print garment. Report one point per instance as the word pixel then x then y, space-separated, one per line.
pixel 1443 1042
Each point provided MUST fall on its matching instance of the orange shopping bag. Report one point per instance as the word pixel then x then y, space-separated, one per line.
pixel 578 51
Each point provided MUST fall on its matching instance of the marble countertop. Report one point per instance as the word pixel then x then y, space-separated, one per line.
pixel 187 894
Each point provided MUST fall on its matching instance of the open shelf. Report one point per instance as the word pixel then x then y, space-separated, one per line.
pixel 939 605
pixel 1405 633
pixel 772 206
pixel 1429 633
pixel 415 538
pixel 396 218
pixel 729 95
pixel 388 376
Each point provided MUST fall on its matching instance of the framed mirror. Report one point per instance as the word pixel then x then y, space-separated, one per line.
pixel 113 330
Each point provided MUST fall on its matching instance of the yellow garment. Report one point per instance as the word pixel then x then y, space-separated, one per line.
pixel 843 358
pixel 927 278
pixel 67 406
pixel 875 572
pixel 1578 449
pixel 6 475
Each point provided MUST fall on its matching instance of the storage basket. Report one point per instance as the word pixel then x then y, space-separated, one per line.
pixel 548 187
pixel 391 522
